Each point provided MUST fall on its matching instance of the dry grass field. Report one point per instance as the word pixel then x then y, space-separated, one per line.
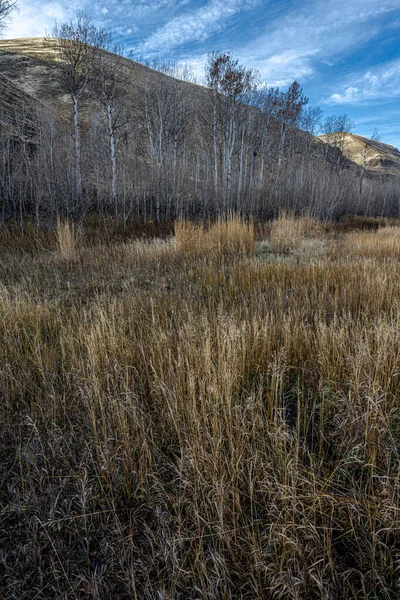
pixel 210 415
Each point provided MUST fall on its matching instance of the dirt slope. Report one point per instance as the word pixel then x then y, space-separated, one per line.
pixel 379 157
pixel 28 73
pixel 30 62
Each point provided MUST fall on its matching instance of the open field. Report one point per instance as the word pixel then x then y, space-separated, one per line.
pixel 211 415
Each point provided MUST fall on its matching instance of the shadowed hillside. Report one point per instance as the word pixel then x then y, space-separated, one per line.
pixel 14 101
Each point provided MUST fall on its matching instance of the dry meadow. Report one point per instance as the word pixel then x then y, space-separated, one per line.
pixel 207 415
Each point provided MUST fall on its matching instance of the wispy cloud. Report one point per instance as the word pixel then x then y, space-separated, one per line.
pixel 135 10
pixel 293 45
pixel 380 83
pixel 194 25
pixel 281 68
pixel 37 17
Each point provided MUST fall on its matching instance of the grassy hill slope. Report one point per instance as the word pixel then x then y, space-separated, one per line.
pixel 30 64
pixel 379 157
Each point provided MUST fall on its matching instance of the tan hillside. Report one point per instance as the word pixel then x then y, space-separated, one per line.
pixel 28 72
pixel 25 62
pixel 29 62
pixel 378 157
pixel 29 66
pixel 29 75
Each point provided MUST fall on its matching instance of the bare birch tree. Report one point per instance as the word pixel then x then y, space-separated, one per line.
pixel 110 82
pixel 336 128
pixel 75 48
pixel 228 82
pixel 367 152
pixel 288 108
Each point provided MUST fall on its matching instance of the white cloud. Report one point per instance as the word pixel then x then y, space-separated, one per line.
pixel 348 97
pixel 36 18
pixel 282 68
pixel 319 31
pixel 375 84
pixel 196 25
pixel 138 10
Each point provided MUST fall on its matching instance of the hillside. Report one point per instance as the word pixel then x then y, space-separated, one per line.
pixel 15 101
pixel 379 157
pixel 29 64
pixel 164 160
pixel 28 73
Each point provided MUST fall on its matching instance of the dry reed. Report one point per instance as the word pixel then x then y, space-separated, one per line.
pixel 175 427
pixel 66 239
pixel 287 231
pixel 230 237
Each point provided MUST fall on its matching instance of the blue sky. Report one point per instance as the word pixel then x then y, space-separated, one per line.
pixel 345 53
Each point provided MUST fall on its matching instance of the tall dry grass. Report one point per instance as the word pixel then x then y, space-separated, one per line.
pixel 288 231
pixel 231 237
pixel 66 240
pixel 175 427
pixel 384 243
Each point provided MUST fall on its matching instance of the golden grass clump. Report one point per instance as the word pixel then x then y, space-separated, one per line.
pixel 178 427
pixel 383 244
pixel 232 236
pixel 66 238
pixel 189 237
pixel 288 231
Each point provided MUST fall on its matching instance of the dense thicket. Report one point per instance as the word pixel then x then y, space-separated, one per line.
pixel 163 148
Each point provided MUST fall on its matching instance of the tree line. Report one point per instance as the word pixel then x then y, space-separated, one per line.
pixel 146 145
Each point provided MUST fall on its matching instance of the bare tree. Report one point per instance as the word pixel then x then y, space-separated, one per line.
pixel 311 122
pixel 336 129
pixel 6 8
pixel 75 45
pixel 178 70
pixel 110 82
pixel 368 150
pixel 311 119
pixel 229 83
pixel 288 108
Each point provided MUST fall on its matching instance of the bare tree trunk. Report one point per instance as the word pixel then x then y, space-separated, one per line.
pixel 215 151
pixel 113 156
pixel 280 158
pixel 78 170
pixel 362 171
pixel 240 183
pixel 262 162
